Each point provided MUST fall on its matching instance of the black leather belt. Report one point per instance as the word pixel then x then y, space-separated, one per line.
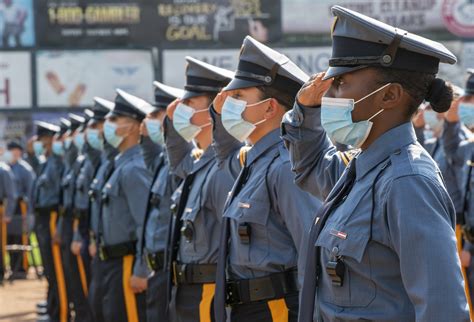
pixel 116 251
pixel 156 261
pixel 194 273
pixel 266 288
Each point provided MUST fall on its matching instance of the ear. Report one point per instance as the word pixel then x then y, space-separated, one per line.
pixel 392 96
pixel 272 109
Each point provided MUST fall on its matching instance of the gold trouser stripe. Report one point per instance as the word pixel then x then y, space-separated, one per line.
pixel 130 300
pixel 58 268
pixel 463 270
pixel 80 262
pixel 82 274
pixel 3 227
pixel 208 291
pixel 24 234
pixel 278 310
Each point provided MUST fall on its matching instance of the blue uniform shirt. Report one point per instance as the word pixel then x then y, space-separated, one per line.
pixel 48 183
pixel 7 189
pixel 123 213
pixel 394 231
pixel 24 181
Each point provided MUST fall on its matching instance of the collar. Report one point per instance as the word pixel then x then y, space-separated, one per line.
pixel 126 155
pixel 388 143
pixel 264 144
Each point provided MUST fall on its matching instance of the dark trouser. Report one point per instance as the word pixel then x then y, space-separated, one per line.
pixel 119 303
pixel 16 257
pixel 193 303
pixel 95 290
pixel 156 299
pixel 280 310
pixel 43 234
pixel 74 270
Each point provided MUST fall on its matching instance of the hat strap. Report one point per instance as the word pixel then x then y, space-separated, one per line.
pixel 386 59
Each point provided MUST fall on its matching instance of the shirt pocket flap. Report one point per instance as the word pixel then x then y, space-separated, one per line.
pixel 344 241
pixel 254 211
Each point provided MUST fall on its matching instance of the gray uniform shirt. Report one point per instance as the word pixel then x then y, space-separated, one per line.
pixel 275 209
pixel 95 189
pixel 165 183
pixel 48 183
pixel 207 195
pixel 7 189
pixel 394 231
pixel 124 203
pixel 24 181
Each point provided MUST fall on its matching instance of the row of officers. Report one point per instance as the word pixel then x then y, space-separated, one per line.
pixel 229 200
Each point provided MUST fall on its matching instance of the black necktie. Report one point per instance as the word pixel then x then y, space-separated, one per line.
pixel 175 227
pixel 220 293
pixel 312 267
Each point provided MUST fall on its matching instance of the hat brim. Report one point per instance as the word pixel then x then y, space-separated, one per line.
pixel 191 94
pixel 338 71
pixel 239 83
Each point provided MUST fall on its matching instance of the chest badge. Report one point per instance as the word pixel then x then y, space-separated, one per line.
pixel 338 234
pixel 244 205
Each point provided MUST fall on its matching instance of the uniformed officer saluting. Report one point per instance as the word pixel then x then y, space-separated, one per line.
pixel 266 213
pixel 383 246
pixel 194 238
pixel 156 224
pixel 124 198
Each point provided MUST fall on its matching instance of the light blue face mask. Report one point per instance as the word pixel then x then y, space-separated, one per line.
pixel 58 148
pixel 466 114
pixel 336 119
pixel 7 157
pixel 95 140
pixel 182 122
pixel 67 143
pixel 110 135
pixel 38 148
pixel 79 140
pixel 431 118
pixel 233 121
pixel 154 131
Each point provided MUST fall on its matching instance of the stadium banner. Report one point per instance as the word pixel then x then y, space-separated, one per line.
pixel 73 78
pixel 15 80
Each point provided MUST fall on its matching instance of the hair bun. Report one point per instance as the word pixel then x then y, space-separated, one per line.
pixel 440 95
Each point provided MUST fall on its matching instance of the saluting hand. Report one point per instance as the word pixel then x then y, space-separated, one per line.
pixel 171 108
pixel 452 115
pixel 311 93
pixel 419 119
pixel 143 129
pixel 138 284
pixel 219 101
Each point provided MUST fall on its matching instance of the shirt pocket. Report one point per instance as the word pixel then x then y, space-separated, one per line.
pixel 349 244
pixel 253 221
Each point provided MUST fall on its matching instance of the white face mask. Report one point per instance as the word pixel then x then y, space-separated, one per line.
pixel 182 122
pixel 233 121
